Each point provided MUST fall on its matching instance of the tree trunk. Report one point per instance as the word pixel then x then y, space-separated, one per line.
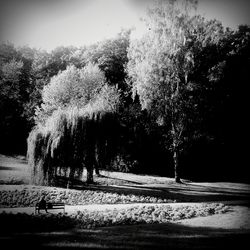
pixel 97 160
pixel 90 165
pixel 71 178
pixel 175 154
pixel 90 157
pixel 90 178
pixel 97 172
pixel 176 166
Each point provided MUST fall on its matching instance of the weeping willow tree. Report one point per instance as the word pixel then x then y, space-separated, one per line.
pixel 76 126
pixel 69 141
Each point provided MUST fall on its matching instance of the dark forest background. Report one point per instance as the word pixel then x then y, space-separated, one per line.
pixel 220 155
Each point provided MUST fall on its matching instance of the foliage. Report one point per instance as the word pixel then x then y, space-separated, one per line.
pixel 71 87
pixel 208 63
pixel 139 141
pixel 25 197
pixel 170 74
pixel 10 77
pixel 11 103
pixel 74 117
pixel 150 214
pixel 108 98
pixel 85 134
pixel 111 57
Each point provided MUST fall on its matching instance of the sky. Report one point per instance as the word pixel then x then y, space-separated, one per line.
pixel 46 24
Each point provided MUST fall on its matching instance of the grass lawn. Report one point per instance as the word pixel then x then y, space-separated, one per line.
pixel 160 236
pixel 15 171
pixel 216 231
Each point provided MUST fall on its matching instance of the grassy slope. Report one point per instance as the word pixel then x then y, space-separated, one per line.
pixel 192 234
pixel 156 236
pixel 14 170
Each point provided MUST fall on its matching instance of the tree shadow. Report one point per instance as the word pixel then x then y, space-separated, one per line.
pixel 222 189
pixel 150 236
pixel 119 179
pixel 8 168
pixel 61 181
pixel 186 192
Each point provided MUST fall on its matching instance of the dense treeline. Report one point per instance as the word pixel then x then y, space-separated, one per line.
pixel 187 74
pixel 181 95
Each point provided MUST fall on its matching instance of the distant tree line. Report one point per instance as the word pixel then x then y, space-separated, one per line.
pixel 177 98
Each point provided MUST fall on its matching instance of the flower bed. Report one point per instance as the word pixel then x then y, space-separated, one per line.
pixel 144 215
pixel 29 195
pixel 126 216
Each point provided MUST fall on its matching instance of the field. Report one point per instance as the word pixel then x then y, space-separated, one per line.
pixel 123 210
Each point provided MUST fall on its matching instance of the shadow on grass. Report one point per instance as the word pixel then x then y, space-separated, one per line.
pixel 9 168
pixel 186 192
pixel 119 179
pixel 13 182
pixel 62 181
pixel 155 236
pixel 11 159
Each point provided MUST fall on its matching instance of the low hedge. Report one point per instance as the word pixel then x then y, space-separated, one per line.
pixel 144 215
pixel 29 196
pixel 91 219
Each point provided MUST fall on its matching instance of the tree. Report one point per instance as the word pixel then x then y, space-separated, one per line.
pixel 68 141
pixel 71 87
pixel 75 117
pixel 8 53
pixel 59 59
pixel 230 102
pixel 40 74
pixel 111 57
pixel 11 119
pixel 42 66
pixel 71 139
pixel 16 86
pixel 162 68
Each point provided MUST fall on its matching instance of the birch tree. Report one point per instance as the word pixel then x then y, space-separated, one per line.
pixel 162 66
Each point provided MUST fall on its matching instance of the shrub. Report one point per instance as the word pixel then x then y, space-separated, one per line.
pixel 126 216
pixel 30 196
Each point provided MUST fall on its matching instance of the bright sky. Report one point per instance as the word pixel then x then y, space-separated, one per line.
pixel 50 23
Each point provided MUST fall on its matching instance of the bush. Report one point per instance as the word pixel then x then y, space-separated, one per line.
pixel 24 197
pixel 111 217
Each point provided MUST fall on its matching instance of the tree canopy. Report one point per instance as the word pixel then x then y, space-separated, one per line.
pixel 74 117
pixel 178 94
pixel 77 88
pixel 169 72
